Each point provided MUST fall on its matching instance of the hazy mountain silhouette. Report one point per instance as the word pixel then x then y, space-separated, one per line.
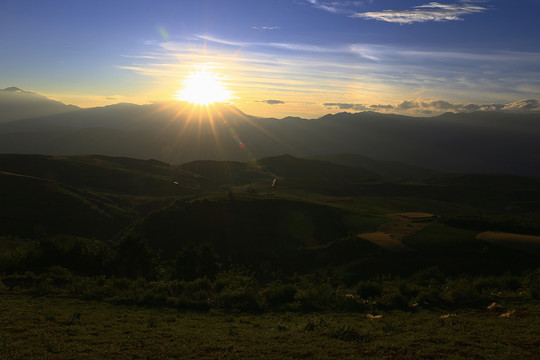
pixel 388 169
pixel 18 104
pixel 288 166
pixel 178 132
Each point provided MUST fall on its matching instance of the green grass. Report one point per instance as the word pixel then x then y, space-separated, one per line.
pixel 58 328
pixel 442 238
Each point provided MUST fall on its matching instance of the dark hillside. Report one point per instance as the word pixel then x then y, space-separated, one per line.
pixel 226 172
pixel 387 169
pixel 109 174
pixel 287 166
pixel 34 208
pixel 243 227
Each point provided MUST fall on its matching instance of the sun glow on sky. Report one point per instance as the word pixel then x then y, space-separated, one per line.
pixel 279 58
pixel 203 88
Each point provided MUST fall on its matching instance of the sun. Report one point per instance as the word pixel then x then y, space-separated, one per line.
pixel 203 88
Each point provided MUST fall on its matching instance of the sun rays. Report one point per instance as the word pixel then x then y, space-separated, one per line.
pixel 204 87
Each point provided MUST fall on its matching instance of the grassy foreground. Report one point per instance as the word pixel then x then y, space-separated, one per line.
pixel 61 328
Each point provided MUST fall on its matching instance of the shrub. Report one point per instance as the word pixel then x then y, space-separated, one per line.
pixel 397 301
pixel 280 294
pixel 134 258
pixel 535 292
pixel 121 284
pixel 200 284
pixel 60 275
pixel 488 283
pixel 511 283
pixel 461 292
pixel 196 262
pixel 349 302
pixel 242 299
pixel 430 276
pixel 430 297
pixel 318 297
pixel 368 289
pixel 408 290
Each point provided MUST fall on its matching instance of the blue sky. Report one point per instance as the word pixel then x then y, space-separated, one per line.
pixel 310 57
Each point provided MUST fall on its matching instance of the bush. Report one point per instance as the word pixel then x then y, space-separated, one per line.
pixel 349 302
pixel 430 276
pixel 511 283
pixel 461 292
pixel 200 284
pixel 319 297
pixel 133 258
pixel 369 289
pixel 242 300
pixel 430 297
pixel 398 301
pixel 196 262
pixel 280 294
pixel 408 290
pixel 535 292
pixel 488 283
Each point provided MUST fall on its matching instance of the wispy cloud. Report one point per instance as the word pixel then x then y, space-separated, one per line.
pixel 432 11
pixel 355 77
pixel 221 41
pixel 346 106
pixel 268 28
pixel 337 7
pixel 433 107
pixel 273 102
pixel 438 106
pixel 284 46
pixel 523 105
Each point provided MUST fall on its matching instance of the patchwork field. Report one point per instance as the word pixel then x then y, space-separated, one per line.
pixel 518 241
pixel 386 241
pixel 401 225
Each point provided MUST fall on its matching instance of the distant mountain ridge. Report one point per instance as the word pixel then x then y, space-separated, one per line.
pixel 176 132
pixel 17 104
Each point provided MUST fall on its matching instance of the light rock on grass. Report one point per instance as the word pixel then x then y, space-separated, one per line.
pixel 508 314
pixel 448 316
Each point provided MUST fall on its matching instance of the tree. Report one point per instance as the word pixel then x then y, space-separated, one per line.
pixel 134 258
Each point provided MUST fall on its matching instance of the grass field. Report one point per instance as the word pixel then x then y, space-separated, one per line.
pixel 59 328
pixel 442 238
pixel 528 243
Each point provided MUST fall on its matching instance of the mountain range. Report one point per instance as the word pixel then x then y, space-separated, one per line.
pixel 178 132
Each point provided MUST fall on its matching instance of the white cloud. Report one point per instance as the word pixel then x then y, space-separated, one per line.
pixel 432 11
pixel 266 27
pixel 285 46
pixel 523 105
pixel 349 74
pixel 438 106
pixel 337 7
pixel 345 106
